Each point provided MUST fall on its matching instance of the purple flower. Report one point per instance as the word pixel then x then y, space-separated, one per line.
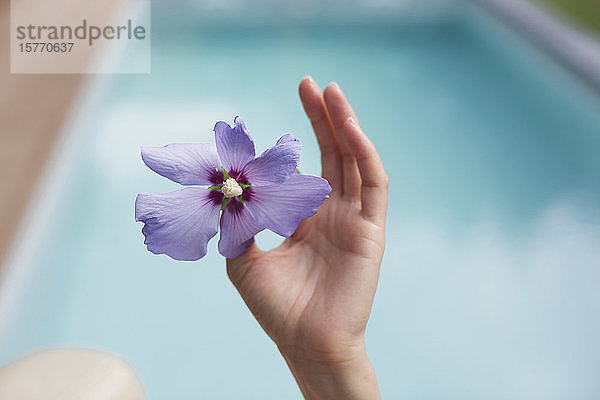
pixel 252 193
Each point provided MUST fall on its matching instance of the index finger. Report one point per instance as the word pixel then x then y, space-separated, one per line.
pixel 314 106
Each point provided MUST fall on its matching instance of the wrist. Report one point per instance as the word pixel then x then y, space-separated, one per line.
pixel 334 376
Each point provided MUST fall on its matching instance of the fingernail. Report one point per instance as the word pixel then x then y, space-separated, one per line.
pixel 335 84
pixel 351 120
pixel 308 78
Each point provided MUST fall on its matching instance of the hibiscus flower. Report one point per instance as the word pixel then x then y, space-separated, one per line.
pixel 248 194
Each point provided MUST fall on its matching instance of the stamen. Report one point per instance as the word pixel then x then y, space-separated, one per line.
pixel 231 188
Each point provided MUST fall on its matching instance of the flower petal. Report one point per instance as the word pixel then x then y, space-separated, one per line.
pixel 275 164
pixel 288 137
pixel 282 207
pixel 180 223
pixel 237 229
pixel 185 163
pixel 234 145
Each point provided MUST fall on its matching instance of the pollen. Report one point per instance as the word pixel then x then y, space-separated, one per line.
pixel 231 188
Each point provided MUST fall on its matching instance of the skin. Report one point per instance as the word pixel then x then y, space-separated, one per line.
pixel 313 294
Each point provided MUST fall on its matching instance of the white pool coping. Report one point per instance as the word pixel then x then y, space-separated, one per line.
pixel 577 50
pixel 17 264
pixel 38 212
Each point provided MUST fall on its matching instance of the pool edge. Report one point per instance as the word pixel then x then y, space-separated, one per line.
pixel 572 47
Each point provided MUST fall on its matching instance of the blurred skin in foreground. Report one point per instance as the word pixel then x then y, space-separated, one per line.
pixel 313 294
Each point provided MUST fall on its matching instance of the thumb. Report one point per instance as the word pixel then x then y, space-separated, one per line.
pixel 238 267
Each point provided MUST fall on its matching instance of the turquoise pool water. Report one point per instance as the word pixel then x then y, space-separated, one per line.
pixel 489 286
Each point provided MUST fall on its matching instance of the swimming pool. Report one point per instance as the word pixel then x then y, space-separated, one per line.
pixel 489 282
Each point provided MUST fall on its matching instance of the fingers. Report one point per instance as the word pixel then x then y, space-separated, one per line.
pixel 339 111
pixel 315 109
pixel 374 180
pixel 350 160
pixel 238 267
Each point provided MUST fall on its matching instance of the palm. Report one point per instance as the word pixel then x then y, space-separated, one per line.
pixel 315 291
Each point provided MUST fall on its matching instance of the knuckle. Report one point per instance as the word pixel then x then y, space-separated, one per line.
pixel 386 181
pixel 328 152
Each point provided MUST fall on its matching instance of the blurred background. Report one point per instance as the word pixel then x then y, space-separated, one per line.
pixel 487 117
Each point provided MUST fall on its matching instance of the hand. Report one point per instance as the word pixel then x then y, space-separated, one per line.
pixel 313 294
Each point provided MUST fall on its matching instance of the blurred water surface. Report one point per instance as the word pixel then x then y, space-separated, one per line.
pixel 489 286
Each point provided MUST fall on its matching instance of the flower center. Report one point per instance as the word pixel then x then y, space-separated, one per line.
pixel 231 188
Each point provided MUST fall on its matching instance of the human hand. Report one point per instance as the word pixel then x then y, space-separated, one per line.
pixel 313 294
